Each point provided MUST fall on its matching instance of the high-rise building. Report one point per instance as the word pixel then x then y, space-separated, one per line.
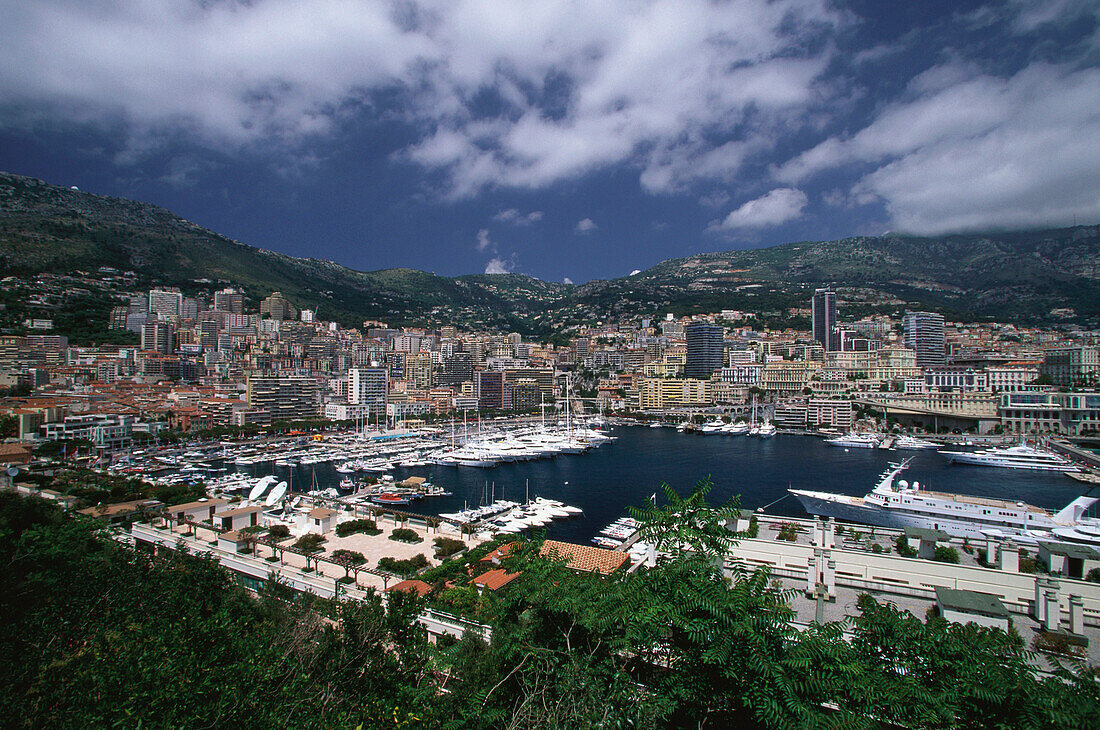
pixel 284 399
pixel 157 337
pixel 278 307
pixel 526 394
pixel 418 369
pixel 924 335
pixel 190 308
pixel 824 319
pixel 165 302
pixel 490 389
pixel 457 369
pixel 704 349
pixel 368 387
pixel 229 300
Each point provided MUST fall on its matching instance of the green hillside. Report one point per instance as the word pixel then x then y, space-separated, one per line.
pixel 1022 276
pixel 48 228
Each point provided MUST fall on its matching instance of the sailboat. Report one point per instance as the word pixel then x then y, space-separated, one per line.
pixel 754 430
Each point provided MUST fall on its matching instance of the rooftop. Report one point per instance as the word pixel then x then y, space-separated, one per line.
pixel 1083 552
pixel 195 505
pixel 418 587
pixel 983 604
pixel 584 557
pixel 239 511
pixel 495 579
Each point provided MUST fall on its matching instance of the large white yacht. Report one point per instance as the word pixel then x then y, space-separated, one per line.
pixel 898 504
pixel 1020 456
pixel 906 442
pixel 856 440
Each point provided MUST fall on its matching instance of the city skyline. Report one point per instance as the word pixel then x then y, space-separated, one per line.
pixel 567 142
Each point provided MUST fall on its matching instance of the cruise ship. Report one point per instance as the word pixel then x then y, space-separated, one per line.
pixel 899 504
pixel 1020 456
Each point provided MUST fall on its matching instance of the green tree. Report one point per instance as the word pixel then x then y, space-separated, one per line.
pixel 347 559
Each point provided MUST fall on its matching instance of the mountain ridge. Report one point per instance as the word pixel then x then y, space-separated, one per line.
pixel 1026 276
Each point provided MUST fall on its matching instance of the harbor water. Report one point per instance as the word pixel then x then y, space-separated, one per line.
pixel 604 481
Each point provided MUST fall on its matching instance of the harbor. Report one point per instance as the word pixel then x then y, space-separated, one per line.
pixel 602 481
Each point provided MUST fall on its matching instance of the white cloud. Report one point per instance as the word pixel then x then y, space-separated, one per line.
pixel 513 215
pixel 483 241
pixel 586 226
pixel 567 280
pixel 498 266
pixel 651 83
pixel 772 209
pixel 969 151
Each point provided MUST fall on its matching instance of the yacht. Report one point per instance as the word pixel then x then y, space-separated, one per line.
pixel 898 504
pixel 711 427
pixel 739 428
pixel 1020 456
pixel 767 430
pixel 855 441
pixel 910 443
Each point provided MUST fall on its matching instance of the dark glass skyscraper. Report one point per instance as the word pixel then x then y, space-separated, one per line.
pixel 824 313
pixel 704 349
pixel 924 333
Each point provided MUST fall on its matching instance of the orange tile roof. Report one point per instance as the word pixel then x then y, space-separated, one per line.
pixel 495 579
pixel 584 557
pixel 416 586
pixel 499 554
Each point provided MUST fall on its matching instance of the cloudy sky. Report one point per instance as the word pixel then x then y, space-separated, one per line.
pixel 566 139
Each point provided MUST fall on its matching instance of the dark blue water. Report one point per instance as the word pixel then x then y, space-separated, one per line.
pixel 626 472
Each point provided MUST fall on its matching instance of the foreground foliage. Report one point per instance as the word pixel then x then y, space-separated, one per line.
pixel 100 634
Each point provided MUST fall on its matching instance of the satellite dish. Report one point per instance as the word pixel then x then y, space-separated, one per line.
pixel 258 490
pixel 276 494
pixel 297 501
pixel 13 471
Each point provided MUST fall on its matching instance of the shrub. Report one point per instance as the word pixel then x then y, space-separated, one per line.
pixel 876 548
pixel 946 554
pixel 403 534
pixel 353 526
pixel 447 546
pixel 1093 576
pixel 1059 644
pixel 787 532
pixel 754 527
pixel 903 548
pixel 310 543
pixel 279 531
pixel 403 567
pixel 348 557
pixel 1028 565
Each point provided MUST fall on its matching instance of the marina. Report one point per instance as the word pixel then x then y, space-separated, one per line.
pixel 603 481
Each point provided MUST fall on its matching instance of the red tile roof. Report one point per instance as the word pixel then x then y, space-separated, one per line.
pixel 416 586
pixel 499 554
pixel 584 557
pixel 495 579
